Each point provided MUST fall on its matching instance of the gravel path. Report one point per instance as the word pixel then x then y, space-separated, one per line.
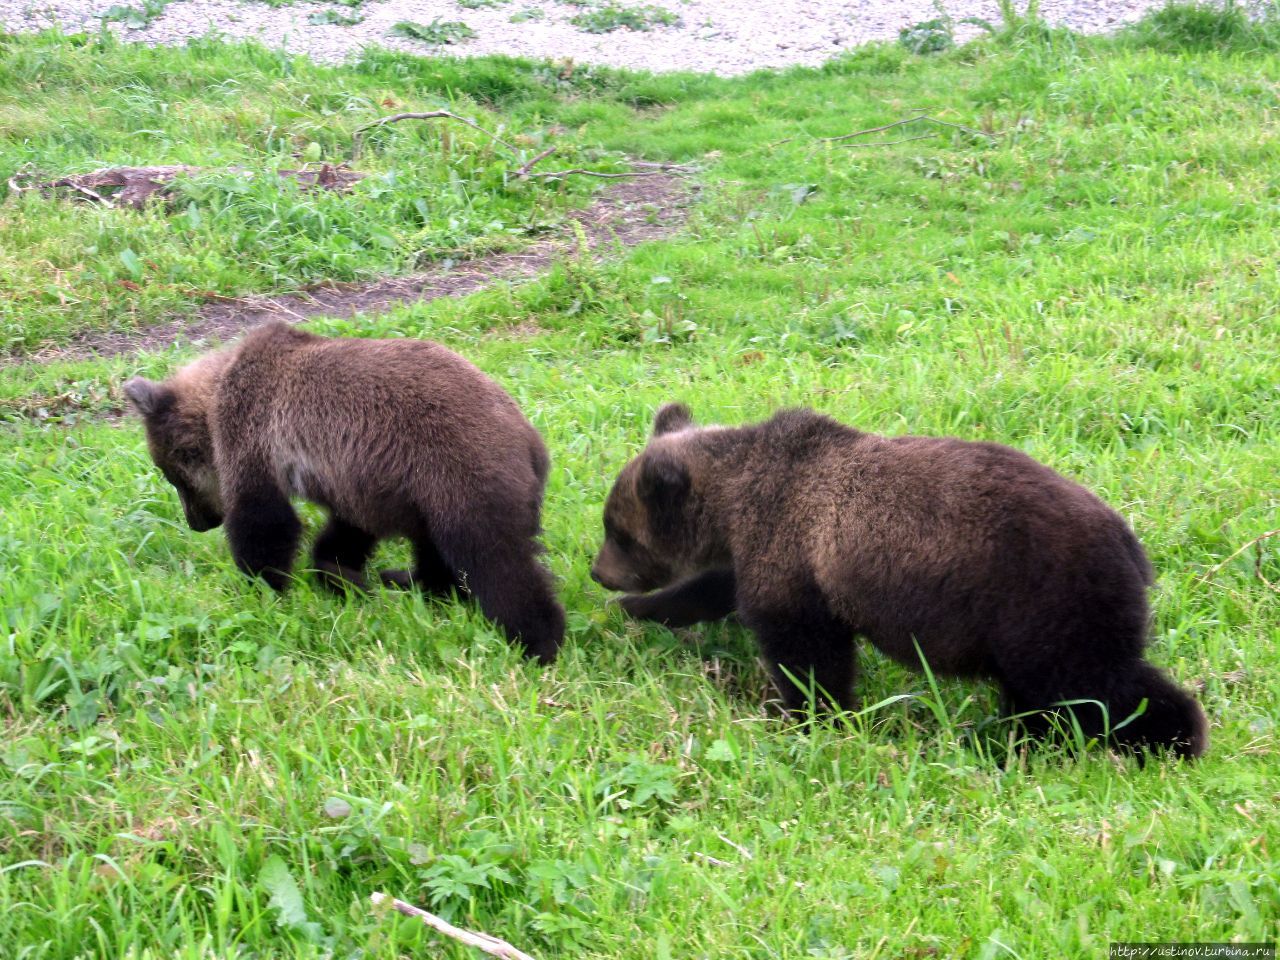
pixel 720 36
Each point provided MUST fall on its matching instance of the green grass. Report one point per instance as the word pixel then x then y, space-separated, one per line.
pixel 1224 25
pixel 1096 286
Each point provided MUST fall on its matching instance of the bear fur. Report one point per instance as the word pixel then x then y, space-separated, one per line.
pixel 973 556
pixel 392 437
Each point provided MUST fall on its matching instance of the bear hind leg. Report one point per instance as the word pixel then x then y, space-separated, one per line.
pixel 430 573
pixel 513 589
pixel 340 554
pixel 1141 708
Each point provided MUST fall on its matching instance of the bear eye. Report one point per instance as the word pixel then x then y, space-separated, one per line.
pixel 174 477
pixel 620 538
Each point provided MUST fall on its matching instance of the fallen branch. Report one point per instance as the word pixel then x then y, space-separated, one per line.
pixel 481 941
pixel 134 186
pixel 901 123
pixel 714 861
pixel 889 126
pixel 644 168
pixel 881 129
pixel 526 167
pixel 650 165
pixel 578 171
pixel 1257 561
pixel 747 854
pixel 357 138
pixel 886 143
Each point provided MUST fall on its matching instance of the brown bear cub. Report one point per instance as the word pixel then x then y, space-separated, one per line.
pixel 993 564
pixel 393 437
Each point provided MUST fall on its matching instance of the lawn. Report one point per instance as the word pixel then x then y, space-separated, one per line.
pixel 1084 268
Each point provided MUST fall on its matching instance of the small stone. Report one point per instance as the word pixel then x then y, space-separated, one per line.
pixel 337 808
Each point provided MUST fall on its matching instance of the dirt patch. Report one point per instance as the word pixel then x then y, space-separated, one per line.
pixel 622 215
pixel 137 186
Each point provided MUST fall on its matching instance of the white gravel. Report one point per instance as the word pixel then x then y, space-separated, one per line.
pixel 720 36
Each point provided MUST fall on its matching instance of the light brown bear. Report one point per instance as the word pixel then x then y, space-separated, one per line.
pixel 392 437
pixel 972 555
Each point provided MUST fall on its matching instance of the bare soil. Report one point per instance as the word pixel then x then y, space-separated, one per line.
pixel 624 214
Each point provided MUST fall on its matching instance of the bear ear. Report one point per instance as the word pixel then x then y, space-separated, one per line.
pixel 147 396
pixel 663 483
pixel 671 417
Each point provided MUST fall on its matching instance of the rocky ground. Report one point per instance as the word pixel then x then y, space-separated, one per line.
pixel 720 36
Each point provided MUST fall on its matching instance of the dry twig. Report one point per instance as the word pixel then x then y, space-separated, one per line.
pixel 481 941
pixel 889 126
pixel 526 167
pixel 670 167
pixel 900 123
pixel 863 133
pixel 357 138
pixel 737 846
pixel 714 861
pixel 578 171
pixel 1257 561
pixel 644 168
pixel 88 192
pixel 886 143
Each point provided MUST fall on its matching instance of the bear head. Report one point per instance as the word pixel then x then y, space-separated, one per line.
pixel 176 417
pixel 651 533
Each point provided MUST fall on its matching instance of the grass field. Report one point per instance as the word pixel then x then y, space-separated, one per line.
pixel 194 768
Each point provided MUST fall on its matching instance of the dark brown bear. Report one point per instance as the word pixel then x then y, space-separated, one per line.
pixel 393 437
pixel 812 531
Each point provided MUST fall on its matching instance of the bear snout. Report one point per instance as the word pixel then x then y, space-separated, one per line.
pixel 608 579
pixel 200 519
